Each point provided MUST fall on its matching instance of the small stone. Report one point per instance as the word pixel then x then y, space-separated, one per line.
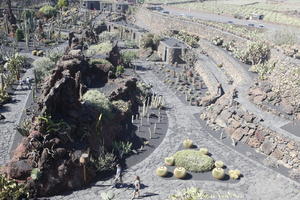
pixel 278 154
pixel 267 147
pixel 238 134
pixel 253 142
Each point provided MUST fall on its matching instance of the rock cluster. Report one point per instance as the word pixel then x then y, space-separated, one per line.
pixel 245 127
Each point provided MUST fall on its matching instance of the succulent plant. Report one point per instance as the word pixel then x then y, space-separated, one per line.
pixel 187 143
pixel 234 174
pixel 162 171
pixel 219 164
pixel 34 52
pixel 35 173
pixel 203 151
pixel 180 172
pixel 218 173
pixel 169 161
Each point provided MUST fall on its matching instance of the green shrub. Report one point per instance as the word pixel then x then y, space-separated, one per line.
pixel 105 162
pixel 102 48
pixel 62 3
pixel 218 173
pixel 43 67
pixel 169 161
pixel 99 101
pixel 35 173
pixel 19 35
pixel 187 143
pixel 131 44
pixel 120 70
pixel 128 57
pixel 203 151
pixel 122 148
pixel 100 61
pixel 121 105
pixel 10 189
pixel 180 172
pixel 147 41
pixel 162 171
pixel 189 194
pixel 48 11
pixel 193 161
pixel 55 54
pixel 219 164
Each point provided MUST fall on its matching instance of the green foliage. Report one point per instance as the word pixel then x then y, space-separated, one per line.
pixel 62 3
pixel 218 173
pixel 14 66
pixel 189 194
pixel 19 35
pixel 4 96
pixel 43 67
pixel 10 189
pixel 131 44
pixel 105 162
pixel 24 128
pixel 48 11
pixel 254 53
pixel 121 105
pixel 150 41
pixel 128 57
pixel 108 36
pixel 284 37
pixel 99 101
pixel 102 48
pixel 263 69
pixel 193 160
pixel 100 61
pixel 55 54
pixel 161 171
pixel 50 126
pixel 36 173
pixel 120 70
pixel 122 148
pixel 28 14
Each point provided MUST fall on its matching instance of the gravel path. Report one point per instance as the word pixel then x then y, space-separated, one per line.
pixel 258 182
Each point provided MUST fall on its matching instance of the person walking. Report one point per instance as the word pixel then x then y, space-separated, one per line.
pixel 137 187
pixel 118 177
pixel 28 83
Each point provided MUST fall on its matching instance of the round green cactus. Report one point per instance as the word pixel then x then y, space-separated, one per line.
pixel 169 161
pixel 187 143
pixel 218 173
pixel 162 171
pixel 203 151
pixel 219 164
pixel 179 172
pixel 234 174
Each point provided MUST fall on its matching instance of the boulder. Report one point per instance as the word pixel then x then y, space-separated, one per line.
pixel 277 153
pixel 19 169
pixel 267 147
pixel 253 142
pixel 238 134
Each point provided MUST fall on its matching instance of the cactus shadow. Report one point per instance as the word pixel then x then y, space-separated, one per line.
pixel 188 177
pixel 226 178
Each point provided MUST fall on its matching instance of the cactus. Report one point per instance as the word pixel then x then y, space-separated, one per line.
pixel 169 161
pixel 234 174
pixel 34 52
pixel 218 173
pixel 203 151
pixel 162 171
pixel 107 195
pixel 187 143
pixel 180 172
pixel 35 173
pixel 219 164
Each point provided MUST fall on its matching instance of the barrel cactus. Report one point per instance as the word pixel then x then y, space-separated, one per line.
pixel 179 172
pixel 187 143
pixel 162 171
pixel 169 161
pixel 219 164
pixel 34 52
pixel 203 151
pixel 218 173
pixel 234 174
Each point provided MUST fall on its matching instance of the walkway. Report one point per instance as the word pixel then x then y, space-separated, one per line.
pixel 258 182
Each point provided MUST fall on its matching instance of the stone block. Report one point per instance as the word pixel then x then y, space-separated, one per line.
pixel 267 147
pixel 253 142
pixel 238 134
pixel 278 154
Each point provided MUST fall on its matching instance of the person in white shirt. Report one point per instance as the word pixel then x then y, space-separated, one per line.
pixel 118 177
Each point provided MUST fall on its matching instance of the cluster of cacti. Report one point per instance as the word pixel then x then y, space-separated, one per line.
pixel 157 101
pixel 180 172
pixel 234 174
pixel 162 171
pixel 203 151
pixel 169 161
pixel 187 143
pixel 218 41
pixel 218 173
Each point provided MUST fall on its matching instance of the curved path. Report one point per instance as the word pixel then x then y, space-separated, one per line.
pixel 258 182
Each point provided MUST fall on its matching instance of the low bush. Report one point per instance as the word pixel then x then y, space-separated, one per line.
pixel 48 11
pixel 102 48
pixel 99 101
pixel 219 164
pixel 10 189
pixel 189 194
pixel 180 172
pixel 162 171
pixel 42 67
pixel 193 161
pixel 218 173
pixel 105 162
pixel 203 151
pixel 121 105
pixel 187 143
pixel 169 161
pixel 119 70
pixel 122 148
pixel 128 57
